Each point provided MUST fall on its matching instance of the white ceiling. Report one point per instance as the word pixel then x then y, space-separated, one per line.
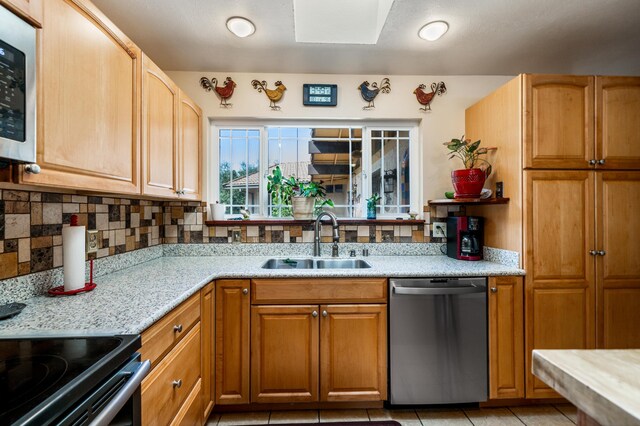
pixel 486 37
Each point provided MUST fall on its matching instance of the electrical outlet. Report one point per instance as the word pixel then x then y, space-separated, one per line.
pixel 439 230
pixel 92 241
pixel 236 237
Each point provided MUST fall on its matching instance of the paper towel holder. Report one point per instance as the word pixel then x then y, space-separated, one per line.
pixel 60 291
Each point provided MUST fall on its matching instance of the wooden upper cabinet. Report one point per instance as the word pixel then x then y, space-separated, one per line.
pixel 190 149
pixel 232 342
pixel 88 103
pixel 618 122
pixel 353 353
pixel 506 337
pixel 284 353
pixel 558 131
pixel 160 99
pixel 618 268
pixel 29 10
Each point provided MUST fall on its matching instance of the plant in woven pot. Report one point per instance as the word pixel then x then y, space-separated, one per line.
pixel 306 197
pixel 468 182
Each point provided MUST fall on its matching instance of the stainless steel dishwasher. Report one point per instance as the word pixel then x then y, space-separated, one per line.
pixel 438 340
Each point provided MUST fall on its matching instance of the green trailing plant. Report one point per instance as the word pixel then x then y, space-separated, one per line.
pixel 470 153
pixel 315 190
pixel 281 190
pixel 373 200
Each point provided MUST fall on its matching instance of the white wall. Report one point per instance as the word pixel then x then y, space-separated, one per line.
pixel 445 121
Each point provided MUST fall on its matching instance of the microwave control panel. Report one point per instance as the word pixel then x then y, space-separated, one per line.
pixel 12 93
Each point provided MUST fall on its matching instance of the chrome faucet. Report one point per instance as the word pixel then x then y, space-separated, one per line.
pixel 316 230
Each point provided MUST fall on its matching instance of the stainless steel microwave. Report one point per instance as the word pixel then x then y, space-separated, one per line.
pixel 17 89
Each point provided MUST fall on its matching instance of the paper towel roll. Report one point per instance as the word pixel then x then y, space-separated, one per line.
pixel 73 247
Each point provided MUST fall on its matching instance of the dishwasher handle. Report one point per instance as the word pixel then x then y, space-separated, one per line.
pixel 435 291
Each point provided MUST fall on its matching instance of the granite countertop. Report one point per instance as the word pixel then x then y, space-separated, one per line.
pixel 130 300
pixel 604 384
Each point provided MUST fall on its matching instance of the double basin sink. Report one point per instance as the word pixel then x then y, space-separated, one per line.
pixel 316 264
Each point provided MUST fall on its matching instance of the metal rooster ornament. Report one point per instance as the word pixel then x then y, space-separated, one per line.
pixel 425 98
pixel 224 92
pixel 369 93
pixel 274 95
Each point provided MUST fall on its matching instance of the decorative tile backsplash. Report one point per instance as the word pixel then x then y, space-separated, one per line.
pixel 31 228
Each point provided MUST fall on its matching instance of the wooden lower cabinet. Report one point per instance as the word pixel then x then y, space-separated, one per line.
pixel 191 412
pixel 232 342
pixel 506 337
pixel 207 309
pixel 353 353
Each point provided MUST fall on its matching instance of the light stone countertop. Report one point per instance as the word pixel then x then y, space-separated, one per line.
pixel 604 384
pixel 130 300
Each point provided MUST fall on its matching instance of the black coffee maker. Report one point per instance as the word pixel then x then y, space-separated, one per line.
pixel 464 237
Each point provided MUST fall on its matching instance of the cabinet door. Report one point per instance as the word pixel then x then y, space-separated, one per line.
pixel 558 121
pixel 30 10
pixel 88 113
pixel 506 337
pixel 618 269
pixel 560 281
pixel 284 355
pixel 159 132
pixel 353 353
pixel 207 309
pixel 190 153
pixel 618 122
pixel 232 342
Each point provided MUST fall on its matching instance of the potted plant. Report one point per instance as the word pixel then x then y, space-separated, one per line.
pixel 371 205
pixel 468 182
pixel 306 197
pixel 280 193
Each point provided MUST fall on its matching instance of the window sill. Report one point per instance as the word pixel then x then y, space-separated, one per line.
pixel 290 222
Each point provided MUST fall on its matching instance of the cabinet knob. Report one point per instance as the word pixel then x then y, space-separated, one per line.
pixel 245 291
pixel 593 252
pixel 325 313
pixel 593 162
pixel 494 289
pixel 177 328
pixel 601 161
pixel 601 253
pixel 314 314
pixel 33 169
pixel 177 384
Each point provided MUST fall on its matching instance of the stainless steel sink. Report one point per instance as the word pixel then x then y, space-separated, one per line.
pixel 315 264
pixel 341 264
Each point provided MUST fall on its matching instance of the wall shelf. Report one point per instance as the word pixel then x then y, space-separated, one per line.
pixel 467 201
pixel 293 222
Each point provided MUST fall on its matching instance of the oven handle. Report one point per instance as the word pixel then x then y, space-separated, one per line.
pixel 437 290
pixel 120 399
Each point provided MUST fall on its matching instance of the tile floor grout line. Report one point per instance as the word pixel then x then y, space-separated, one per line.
pixel 467 416
pixel 562 412
pixel 516 416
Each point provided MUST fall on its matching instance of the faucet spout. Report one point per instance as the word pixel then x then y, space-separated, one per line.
pixel 316 230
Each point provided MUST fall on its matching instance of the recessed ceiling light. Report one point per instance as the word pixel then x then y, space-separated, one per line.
pixel 241 27
pixel 433 30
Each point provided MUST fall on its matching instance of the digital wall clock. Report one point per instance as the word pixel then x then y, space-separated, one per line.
pixel 320 94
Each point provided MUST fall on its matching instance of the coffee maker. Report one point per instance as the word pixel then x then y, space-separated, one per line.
pixel 464 237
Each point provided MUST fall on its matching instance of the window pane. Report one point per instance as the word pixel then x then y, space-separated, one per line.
pixel 390 156
pixel 239 170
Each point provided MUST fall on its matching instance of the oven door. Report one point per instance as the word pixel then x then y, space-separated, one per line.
pixel 114 402
pixel 17 89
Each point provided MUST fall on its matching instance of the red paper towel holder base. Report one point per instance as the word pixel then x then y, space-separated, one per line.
pixel 60 291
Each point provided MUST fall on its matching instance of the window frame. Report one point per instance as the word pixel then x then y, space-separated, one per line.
pixel 415 147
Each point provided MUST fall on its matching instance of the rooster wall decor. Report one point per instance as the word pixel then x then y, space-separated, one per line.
pixel 224 92
pixel 425 98
pixel 274 95
pixel 369 93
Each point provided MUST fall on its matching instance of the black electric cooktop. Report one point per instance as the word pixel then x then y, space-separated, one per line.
pixel 41 378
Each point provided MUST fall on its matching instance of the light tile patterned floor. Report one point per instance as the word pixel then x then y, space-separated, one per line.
pixel 533 415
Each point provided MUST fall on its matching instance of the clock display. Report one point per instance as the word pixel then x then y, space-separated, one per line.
pixel 320 94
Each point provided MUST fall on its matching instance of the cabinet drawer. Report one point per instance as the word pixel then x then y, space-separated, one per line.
pixel 158 339
pixel 190 413
pixel 161 399
pixel 317 291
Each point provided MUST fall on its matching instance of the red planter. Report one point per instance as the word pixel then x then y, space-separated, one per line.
pixel 468 183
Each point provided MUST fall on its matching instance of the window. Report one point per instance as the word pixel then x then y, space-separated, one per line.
pixel 351 161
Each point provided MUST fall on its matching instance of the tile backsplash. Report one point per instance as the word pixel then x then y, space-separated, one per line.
pixel 31 225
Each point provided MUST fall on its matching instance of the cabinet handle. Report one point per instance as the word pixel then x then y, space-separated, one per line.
pixel 601 161
pixel 245 291
pixel 33 169
pixel 593 162
pixel 602 253
pixel 325 313
pixel 494 289
pixel 593 252
pixel 177 384
pixel 314 314
pixel 177 328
